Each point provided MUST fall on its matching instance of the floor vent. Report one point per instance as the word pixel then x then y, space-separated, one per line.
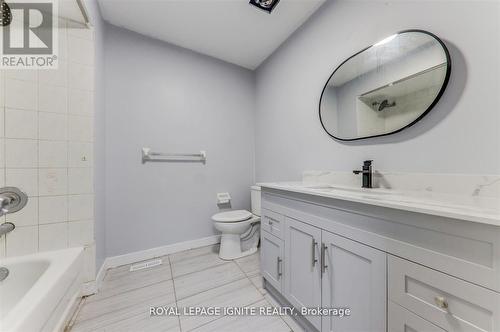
pixel 145 265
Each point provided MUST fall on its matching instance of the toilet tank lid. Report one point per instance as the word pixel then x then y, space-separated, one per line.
pixel 255 188
pixel 232 216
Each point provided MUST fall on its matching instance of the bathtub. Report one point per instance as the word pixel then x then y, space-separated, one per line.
pixel 41 290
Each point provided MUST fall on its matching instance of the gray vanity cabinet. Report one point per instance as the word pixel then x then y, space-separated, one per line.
pixel 302 266
pixel 397 271
pixel 354 277
pixel 271 259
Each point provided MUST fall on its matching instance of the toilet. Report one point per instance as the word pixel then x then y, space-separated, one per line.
pixel 240 229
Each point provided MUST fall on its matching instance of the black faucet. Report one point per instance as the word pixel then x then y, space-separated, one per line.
pixel 367 174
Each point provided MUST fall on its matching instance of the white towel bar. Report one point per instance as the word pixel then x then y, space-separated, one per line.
pixel 148 155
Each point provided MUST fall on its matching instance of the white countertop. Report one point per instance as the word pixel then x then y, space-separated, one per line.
pixel 484 210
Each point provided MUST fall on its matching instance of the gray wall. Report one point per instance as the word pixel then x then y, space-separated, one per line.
pixel 172 100
pixel 461 134
pixel 99 129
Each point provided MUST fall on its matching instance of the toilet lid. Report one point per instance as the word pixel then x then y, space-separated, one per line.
pixel 232 216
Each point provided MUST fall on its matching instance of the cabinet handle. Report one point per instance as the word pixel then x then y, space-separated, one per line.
pixel 441 302
pixel 271 220
pixel 278 267
pixel 323 258
pixel 313 250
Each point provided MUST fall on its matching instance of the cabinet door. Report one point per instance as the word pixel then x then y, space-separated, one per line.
pixel 354 277
pixel 302 268
pixel 271 260
pixel 402 320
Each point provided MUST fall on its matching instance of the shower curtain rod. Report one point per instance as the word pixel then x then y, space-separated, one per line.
pixel 84 11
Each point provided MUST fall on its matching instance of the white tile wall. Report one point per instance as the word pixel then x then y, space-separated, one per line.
pixel 80 102
pixel 80 128
pixel 52 98
pixel 23 75
pixel 80 154
pixel 2 153
pixel 52 181
pixel 27 216
pixel 56 77
pixel 80 207
pixel 2 89
pixel 46 146
pixel 52 126
pixel 53 236
pixel 24 178
pixel 63 43
pixel 2 246
pixel 20 94
pixel 80 50
pixel 79 75
pixel 2 121
pixel 81 233
pixel 52 154
pixel 89 262
pixel 21 153
pixel 23 241
pixel 53 209
pixel 80 181
pixel 21 124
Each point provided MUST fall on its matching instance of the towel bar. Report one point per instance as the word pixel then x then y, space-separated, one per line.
pixel 148 155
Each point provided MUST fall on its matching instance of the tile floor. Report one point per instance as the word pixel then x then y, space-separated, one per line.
pixel 196 277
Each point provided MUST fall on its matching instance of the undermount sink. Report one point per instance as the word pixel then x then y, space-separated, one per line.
pixel 328 188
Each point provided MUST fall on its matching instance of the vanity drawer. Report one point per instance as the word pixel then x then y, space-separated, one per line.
pixel 402 320
pixel 273 222
pixel 448 302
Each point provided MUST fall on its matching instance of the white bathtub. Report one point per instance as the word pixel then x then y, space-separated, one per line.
pixel 40 291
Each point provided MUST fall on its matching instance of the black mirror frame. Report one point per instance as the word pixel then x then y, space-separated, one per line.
pixel 431 106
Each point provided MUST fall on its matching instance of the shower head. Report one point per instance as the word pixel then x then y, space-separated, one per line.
pixel 5 14
pixel 266 5
pixel 385 104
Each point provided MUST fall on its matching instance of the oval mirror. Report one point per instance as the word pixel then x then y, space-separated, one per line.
pixel 386 87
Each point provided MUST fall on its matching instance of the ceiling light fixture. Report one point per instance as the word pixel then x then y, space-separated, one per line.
pixel 5 14
pixel 266 5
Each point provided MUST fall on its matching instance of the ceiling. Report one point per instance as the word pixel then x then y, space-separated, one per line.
pixel 230 30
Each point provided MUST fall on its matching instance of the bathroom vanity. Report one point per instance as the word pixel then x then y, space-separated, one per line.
pixel 399 261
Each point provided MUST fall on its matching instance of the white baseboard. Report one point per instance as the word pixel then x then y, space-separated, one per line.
pixel 138 256
pixel 93 287
pixel 89 288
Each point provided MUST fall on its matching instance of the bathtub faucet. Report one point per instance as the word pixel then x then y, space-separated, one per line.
pixel 6 227
pixel 11 200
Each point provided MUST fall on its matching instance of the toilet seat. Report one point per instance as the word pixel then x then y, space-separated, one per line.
pixel 232 216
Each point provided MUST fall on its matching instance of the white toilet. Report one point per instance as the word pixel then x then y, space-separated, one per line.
pixel 240 229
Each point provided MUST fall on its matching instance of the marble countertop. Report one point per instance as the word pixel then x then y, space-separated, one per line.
pixel 484 210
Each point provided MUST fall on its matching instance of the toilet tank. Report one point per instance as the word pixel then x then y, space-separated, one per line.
pixel 255 199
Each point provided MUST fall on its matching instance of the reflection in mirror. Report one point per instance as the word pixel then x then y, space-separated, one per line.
pixel 386 87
